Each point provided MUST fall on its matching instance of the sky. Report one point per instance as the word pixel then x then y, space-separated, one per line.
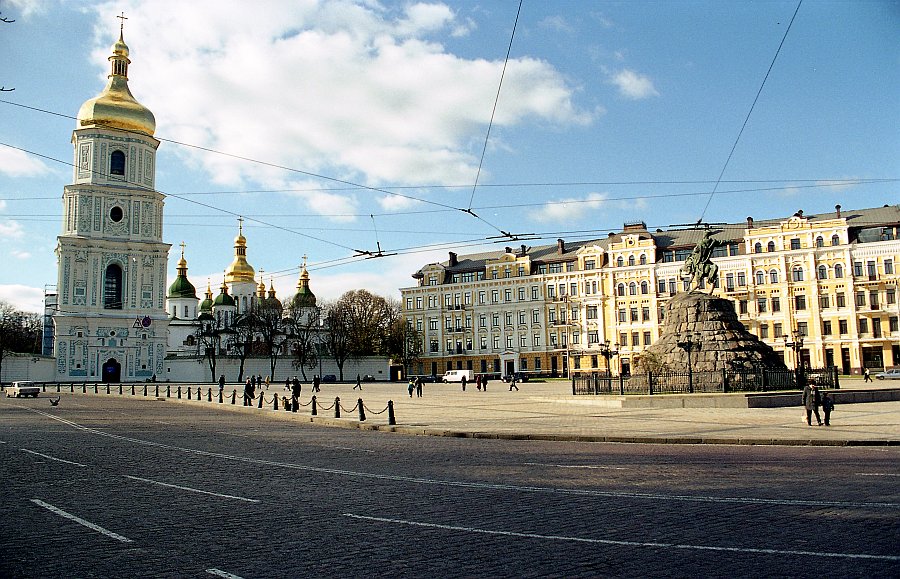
pixel 374 137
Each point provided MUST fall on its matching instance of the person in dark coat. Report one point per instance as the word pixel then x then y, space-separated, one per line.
pixel 827 407
pixel 484 381
pixel 316 383
pixel 464 383
pixel 419 387
pixel 249 392
pixel 296 388
pixel 358 383
pixel 811 401
pixel 221 382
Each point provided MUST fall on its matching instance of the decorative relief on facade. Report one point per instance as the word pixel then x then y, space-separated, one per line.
pixel 97 214
pixel 132 162
pixel 148 169
pixel 135 217
pixel 103 166
pixel 149 218
pixel 84 160
pixel 61 358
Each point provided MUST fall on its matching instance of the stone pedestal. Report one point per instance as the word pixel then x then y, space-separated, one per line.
pixel 724 342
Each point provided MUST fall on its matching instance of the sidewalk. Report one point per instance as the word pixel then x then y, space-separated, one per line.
pixel 549 411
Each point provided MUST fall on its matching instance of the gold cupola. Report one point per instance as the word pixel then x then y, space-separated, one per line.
pixel 116 107
pixel 240 271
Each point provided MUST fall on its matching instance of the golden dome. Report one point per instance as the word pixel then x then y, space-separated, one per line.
pixel 239 270
pixel 116 107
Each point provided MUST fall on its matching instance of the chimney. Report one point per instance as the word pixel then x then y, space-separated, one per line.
pixel 749 223
pixel 508 249
pixel 524 250
pixel 560 246
pixel 453 260
pixel 838 209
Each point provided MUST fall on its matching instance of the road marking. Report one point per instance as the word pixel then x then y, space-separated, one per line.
pixel 47 456
pixel 193 490
pixel 651 544
pixel 226 574
pixel 347 448
pixel 488 486
pixel 877 474
pixel 80 521
pixel 588 466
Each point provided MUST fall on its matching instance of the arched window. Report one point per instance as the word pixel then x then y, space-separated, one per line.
pixel 820 242
pixel 643 260
pixel 620 262
pixel 797 273
pixel 773 276
pixel 838 270
pixel 632 289
pixel 620 289
pixel 645 287
pixel 630 260
pixel 760 277
pixel 835 240
pixel 823 272
pixel 770 247
pixel 757 248
pixel 112 287
pixel 117 163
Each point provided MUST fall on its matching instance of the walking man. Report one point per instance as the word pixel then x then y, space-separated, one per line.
pixel 316 382
pixel 866 376
pixel 512 384
pixel 358 383
pixel 419 387
pixel 464 383
pixel 221 383
pixel 295 392
pixel 812 401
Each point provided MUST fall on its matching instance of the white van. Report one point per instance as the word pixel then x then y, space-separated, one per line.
pixel 457 376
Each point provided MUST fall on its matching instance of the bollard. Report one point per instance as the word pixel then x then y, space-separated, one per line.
pixel 220 395
pixel 145 390
pixel 132 389
pixel 391 419
pixel 157 390
pixel 337 407
pixel 261 398
pixel 275 407
pixel 168 391
pixel 313 404
pixel 234 396
pixel 57 386
pixel 362 410
pixel 84 388
pixel 199 392
pixel 95 388
pixel 209 395
pixel 120 389
pixel 107 387
pixel 189 392
pixel 179 392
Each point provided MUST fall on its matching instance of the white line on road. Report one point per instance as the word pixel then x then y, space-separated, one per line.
pixel 490 486
pixel 347 448
pixel 220 573
pixel 47 456
pixel 877 474
pixel 588 466
pixel 80 521
pixel 627 543
pixel 193 490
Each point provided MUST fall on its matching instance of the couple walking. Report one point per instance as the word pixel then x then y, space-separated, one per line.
pixel 812 400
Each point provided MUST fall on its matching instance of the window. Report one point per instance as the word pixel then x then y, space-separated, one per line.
pixel 116 214
pixel 820 242
pixel 534 292
pixel 892 323
pixel 623 338
pixel 633 314
pixel 729 281
pixel 522 318
pixel 797 273
pixel 773 276
pixel 823 272
pixel 521 294
pixel 661 286
pixel 508 317
pixel 842 327
pixel 835 240
pixel 857 269
pixel 630 260
pixel 873 300
pixel 795 243
pixel 635 339
pixel 757 248
pixel 770 247
pixel 645 314
pixel 433 323
pixel 643 260
pixel 593 337
pixel 776 304
pixel 824 302
pixel 888 266
pixel 838 271
pixel 481 297
pixel 863 326
pixel 551 316
pixel 632 289
pixel 742 279
pixel 826 328
pixel 117 163
pixel 621 315
pixel 620 289
pixel 409 303
pixel 537 363
pixel 646 338
pixel 776 329
pixel 802 329
pixel 870 269
pixel 761 305
pixel 860 299
pixel 523 341
pixel 742 306
pixel 800 303
pixel 112 288
pixel 589 264
pixel 495 320
pixel 495 296
pixel 483 342
pixel 620 262
pixel 591 312
pixel 507 295
pixel 760 277
pixel 840 300
pixel 890 296
pixel 509 342
pixel 764 331
pixel 535 316
pixel 645 287
pixel 536 340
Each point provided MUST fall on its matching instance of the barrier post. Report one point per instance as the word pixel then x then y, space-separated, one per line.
pixel 275 407
pixel 261 397
pixel 120 388
pixel 362 410
pixel 179 391
pixel 337 407
pixel 107 387
pixel 392 420
pixel 313 404
pixel 84 388
pixel 221 393
pixel 188 392
pixel 209 395
pixel 145 390
pixel 234 396
pixel 168 391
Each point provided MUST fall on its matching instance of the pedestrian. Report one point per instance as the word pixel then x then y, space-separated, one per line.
pixel 419 387
pixel 484 381
pixel 478 382
pixel 512 384
pixel 827 407
pixel 249 393
pixel 287 383
pixel 221 382
pixel 252 380
pixel 296 388
pixel 316 383
pixel 259 381
pixel 866 376
pixel 411 387
pixel 464 383
pixel 812 401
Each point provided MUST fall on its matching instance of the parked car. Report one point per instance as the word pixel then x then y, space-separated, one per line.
pixel 520 377
pixel 425 378
pixel 889 374
pixel 368 378
pixel 22 388
pixel 329 378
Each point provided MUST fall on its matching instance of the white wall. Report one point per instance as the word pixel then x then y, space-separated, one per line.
pixel 189 370
pixel 28 367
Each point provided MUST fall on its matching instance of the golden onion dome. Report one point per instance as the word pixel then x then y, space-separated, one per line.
pixel 239 270
pixel 116 107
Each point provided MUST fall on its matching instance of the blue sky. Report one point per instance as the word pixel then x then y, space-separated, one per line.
pixel 609 112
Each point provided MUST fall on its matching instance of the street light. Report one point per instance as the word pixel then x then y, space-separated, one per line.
pixel 607 352
pixel 795 343
pixel 689 345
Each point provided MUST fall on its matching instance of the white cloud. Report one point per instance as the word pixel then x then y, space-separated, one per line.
pixel 20 254
pixel 557 23
pixel 339 88
pixel 634 85
pixel 23 297
pixel 568 209
pixel 16 9
pixel 16 163
pixel 11 229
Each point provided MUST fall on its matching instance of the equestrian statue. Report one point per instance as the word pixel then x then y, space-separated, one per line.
pixel 699 266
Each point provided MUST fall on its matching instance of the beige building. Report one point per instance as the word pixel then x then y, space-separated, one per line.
pixel 820 289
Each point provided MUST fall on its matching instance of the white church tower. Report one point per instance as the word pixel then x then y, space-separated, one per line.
pixel 111 322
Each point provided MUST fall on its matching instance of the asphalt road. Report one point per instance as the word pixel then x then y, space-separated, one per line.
pixel 121 487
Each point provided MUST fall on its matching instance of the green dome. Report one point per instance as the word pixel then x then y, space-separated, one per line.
pixel 182 288
pixel 304 298
pixel 206 305
pixel 223 299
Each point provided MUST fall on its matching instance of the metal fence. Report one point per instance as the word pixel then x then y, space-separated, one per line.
pixel 719 381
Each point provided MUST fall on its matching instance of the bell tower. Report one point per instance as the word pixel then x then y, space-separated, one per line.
pixel 111 322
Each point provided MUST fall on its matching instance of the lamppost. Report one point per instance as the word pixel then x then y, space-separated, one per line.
pixel 689 345
pixel 795 343
pixel 608 352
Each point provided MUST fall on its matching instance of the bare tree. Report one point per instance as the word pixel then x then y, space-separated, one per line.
pixel 272 329
pixel 402 342
pixel 19 331
pixel 338 339
pixel 209 341
pixel 304 339
pixel 240 340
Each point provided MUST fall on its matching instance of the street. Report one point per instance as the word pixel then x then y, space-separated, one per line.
pixel 126 487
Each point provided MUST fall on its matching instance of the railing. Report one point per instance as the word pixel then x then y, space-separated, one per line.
pixel 703 382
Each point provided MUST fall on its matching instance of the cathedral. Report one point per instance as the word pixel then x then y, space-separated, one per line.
pixel 114 321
